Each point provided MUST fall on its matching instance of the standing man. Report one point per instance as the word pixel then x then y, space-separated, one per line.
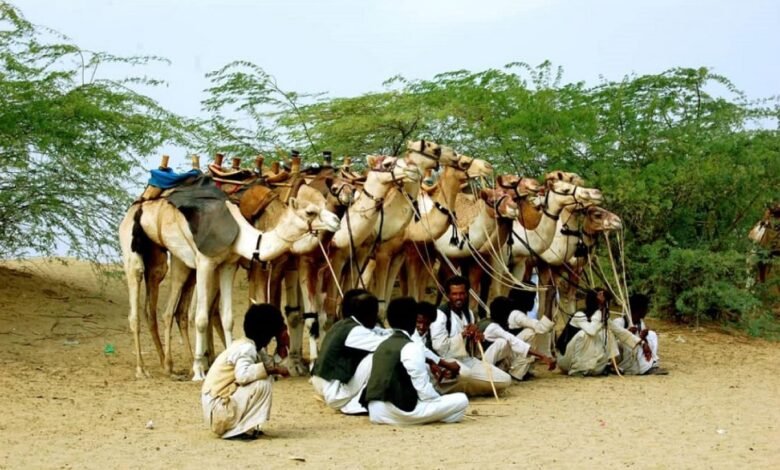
pixel 342 369
pixel 453 328
pixel 236 395
pixel 399 390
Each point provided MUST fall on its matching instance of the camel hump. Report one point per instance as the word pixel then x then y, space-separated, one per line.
pixel 254 200
pixel 467 209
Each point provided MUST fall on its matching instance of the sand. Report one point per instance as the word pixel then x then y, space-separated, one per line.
pixel 69 404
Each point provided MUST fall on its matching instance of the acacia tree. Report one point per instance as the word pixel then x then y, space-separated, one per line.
pixel 69 141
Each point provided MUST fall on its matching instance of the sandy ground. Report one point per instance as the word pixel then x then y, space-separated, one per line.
pixel 68 404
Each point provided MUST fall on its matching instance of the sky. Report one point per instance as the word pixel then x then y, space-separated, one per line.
pixel 349 47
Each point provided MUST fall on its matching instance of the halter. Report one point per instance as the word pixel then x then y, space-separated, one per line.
pixel 435 156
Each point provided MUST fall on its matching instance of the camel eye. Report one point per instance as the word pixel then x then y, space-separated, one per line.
pixel 311 212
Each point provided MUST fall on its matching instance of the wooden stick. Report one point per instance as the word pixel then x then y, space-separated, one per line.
pixel 196 162
pixel 236 163
pixel 164 162
pixel 489 369
pixel 259 163
pixel 218 158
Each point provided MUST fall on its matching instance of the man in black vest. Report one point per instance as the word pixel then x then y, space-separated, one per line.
pixel 400 390
pixel 454 324
pixel 341 371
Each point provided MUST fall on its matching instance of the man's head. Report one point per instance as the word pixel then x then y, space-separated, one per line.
pixel 426 314
pixel 500 308
pixel 457 292
pixel 597 299
pixel 361 304
pixel 639 304
pixel 523 300
pixel 263 322
pixel 401 314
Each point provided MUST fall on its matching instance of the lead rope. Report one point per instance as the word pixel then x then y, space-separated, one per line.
pixel 330 266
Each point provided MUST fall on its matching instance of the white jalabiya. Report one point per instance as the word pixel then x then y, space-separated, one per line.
pixel 510 352
pixel 248 407
pixel 590 350
pixel 632 358
pixel 346 396
pixel 475 375
pixel 431 407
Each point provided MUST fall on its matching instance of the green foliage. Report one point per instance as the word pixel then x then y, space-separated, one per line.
pixel 683 157
pixel 69 141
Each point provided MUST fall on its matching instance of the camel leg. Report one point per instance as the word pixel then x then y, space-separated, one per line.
pixel 205 287
pixel 475 273
pixel 227 274
pixel 182 313
pixel 134 271
pixel 381 276
pixel 310 283
pixel 294 322
pixel 155 269
pixel 332 301
pixel 396 263
pixel 180 273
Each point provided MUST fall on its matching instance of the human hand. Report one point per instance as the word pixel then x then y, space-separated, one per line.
pixel 452 367
pixel 279 370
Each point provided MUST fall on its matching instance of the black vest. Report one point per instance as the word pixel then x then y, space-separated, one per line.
pixel 389 380
pixel 337 361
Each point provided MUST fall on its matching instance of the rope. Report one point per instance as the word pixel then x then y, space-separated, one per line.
pixel 330 266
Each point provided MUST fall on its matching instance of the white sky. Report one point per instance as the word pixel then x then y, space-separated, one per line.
pixel 348 47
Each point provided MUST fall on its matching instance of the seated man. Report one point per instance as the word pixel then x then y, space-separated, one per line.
pixel 236 395
pixel 644 359
pixel 585 346
pixel 453 328
pixel 341 371
pixel 508 348
pixel 399 390
pixel 441 369
pixel 537 332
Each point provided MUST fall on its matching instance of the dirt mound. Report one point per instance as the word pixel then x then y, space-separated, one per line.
pixel 67 375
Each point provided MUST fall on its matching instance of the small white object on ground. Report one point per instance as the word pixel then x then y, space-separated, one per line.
pixel 721 431
pixel 150 424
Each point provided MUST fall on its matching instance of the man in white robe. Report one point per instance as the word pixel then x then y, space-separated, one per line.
pixel 236 395
pixel 587 345
pixel 343 366
pixel 453 325
pixel 509 349
pixel 400 390
pixel 639 355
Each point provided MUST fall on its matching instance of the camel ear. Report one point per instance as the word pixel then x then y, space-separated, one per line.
pixel 560 176
pixel 293 202
pixel 371 161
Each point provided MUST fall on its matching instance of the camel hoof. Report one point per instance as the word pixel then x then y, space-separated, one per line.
pixel 141 373
pixel 297 368
pixel 198 370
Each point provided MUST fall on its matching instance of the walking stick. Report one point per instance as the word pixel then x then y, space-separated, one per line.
pixel 489 368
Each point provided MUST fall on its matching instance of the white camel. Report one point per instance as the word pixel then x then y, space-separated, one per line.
pixel 162 224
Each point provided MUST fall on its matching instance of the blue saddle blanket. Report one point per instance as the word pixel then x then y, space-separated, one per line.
pixel 166 178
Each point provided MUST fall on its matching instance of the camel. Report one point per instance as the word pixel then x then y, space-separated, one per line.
pixel 158 222
pixel 766 234
pixel 386 220
pixel 436 207
pixel 482 225
pixel 577 233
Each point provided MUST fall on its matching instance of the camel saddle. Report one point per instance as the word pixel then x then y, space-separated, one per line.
pixel 202 203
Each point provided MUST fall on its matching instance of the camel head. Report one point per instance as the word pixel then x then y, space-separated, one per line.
pixel 566 176
pixel 598 219
pixel 568 194
pixel 475 167
pixel 310 212
pixel 386 170
pixel 521 186
pixel 424 154
pixel 500 202
pixel 343 191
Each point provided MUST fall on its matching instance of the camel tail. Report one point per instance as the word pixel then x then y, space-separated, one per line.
pixel 140 242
